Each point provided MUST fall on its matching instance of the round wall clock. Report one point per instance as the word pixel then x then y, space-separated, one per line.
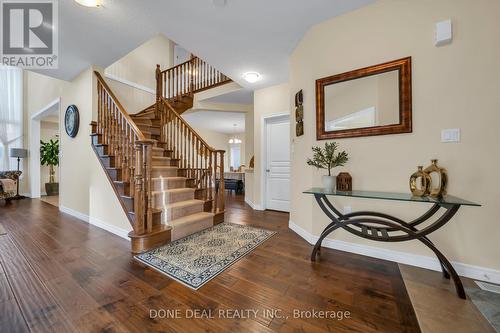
pixel 72 120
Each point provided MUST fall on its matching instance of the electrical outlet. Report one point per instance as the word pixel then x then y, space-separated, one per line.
pixel 347 209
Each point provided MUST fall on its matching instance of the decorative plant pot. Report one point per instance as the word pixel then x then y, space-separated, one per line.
pixel 329 183
pixel 52 188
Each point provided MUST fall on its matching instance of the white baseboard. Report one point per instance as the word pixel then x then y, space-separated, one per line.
pixel 96 222
pixel 470 271
pixel 254 206
pixel 74 213
pixel 123 233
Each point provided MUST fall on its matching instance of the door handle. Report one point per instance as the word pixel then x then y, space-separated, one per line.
pixel 267 170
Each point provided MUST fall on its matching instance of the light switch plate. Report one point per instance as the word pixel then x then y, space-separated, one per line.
pixel 444 33
pixel 450 135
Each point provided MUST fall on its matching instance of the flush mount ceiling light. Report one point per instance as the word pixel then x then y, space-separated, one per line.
pixel 90 3
pixel 251 77
pixel 219 3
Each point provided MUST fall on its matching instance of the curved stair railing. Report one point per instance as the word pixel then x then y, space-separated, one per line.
pixel 131 151
pixel 187 78
pixel 197 159
pixel 127 155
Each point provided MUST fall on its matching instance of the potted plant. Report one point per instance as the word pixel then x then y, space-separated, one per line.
pixel 49 155
pixel 328 158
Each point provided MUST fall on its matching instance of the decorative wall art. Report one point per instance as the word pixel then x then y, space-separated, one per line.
pixel 299 114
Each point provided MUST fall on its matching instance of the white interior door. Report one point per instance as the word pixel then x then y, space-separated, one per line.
pixel 277 172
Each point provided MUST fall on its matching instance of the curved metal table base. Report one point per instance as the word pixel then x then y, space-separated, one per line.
pixel 385 228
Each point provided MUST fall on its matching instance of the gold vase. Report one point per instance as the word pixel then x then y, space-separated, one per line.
pixel 438 188
pixel 420 178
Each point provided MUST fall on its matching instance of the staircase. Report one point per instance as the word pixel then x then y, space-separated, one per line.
pixel 163 173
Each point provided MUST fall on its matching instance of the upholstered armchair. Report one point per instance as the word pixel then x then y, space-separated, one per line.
pixel 14 175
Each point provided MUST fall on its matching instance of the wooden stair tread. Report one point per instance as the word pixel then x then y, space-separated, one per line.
pixel 175 190
pixel 170 178
pixel 166 167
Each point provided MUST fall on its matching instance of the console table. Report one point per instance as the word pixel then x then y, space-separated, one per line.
pixel 386 228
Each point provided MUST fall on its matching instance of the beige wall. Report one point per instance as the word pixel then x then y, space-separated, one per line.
pixel 76 153
pixel 84 188
pixel 268 101
pixel 132 78
pixel 454 86
pixel 139 66
pixel 249 137
pixel 132 99
pixel 39 91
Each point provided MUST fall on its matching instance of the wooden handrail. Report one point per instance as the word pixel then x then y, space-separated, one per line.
pixel 132 154
pixel 187 78
pixel 178 65
pixel 132 124
pixel 167 104
pixel 197 159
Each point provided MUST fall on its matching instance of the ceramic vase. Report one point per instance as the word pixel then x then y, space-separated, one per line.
pixel 329 183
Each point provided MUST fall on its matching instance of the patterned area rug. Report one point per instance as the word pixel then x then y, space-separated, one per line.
pixel 196 259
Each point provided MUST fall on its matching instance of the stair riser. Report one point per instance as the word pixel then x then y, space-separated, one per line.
pixel 166 184
pixel 147 128
pixel 102 150
pixel 191 228
pixel 146 116
pixel 162 199
pixel 146 122
pixel 175 213
pixel 115 174
pixel 108 162
pixel 151 136
pixel 123 188
pixel 164 153
pixel 129 204
pixel 156 173
pixel 165 162
pixel 159 153
pixel 96 139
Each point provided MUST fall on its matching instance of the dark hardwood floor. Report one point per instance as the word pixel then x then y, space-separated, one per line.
pixel 58 274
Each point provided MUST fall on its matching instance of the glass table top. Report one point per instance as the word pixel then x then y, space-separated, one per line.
pixel 448 199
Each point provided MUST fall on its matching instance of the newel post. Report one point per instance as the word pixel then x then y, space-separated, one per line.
pixel 221 180
pixel 138 190
pixel 159 89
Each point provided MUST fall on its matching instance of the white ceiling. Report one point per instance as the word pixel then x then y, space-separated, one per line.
pixel 222 122
pixel 244 35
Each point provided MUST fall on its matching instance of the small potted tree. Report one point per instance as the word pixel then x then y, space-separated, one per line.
pixel 49 155
pixel 328 158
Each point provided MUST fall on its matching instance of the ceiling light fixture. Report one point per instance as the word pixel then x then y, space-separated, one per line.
pixel 90 3
pixel 219 3
pixel 251 77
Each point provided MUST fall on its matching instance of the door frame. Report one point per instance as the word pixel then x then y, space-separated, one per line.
pixel 265 120
pixel 34 148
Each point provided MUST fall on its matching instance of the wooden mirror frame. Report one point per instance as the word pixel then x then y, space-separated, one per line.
pixel 405 118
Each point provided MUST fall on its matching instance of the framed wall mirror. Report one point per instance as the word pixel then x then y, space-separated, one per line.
pixel 375 100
